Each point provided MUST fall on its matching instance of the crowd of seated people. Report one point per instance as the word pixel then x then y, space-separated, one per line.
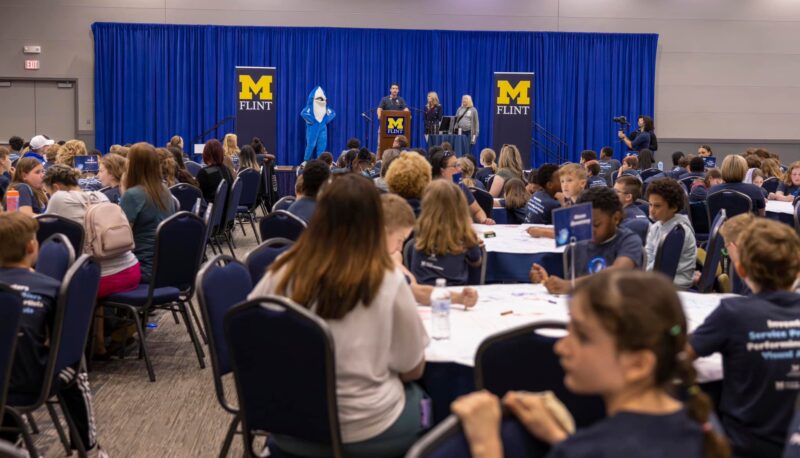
pixel 627 339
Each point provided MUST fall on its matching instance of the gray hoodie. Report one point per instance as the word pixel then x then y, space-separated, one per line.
pixel 688 259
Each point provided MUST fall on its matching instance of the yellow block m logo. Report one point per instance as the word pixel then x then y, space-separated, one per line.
pixel 520 92
pixel 250 87
pixel 395 123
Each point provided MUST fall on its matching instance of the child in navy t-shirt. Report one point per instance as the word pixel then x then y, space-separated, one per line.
pixel 446 245
pixel 758 337
pixel 789 188
pixel 543 202
pixel 629 189
pixel 594 179
pixel 39 294
pixel 611 247
pixel 29 181
pixel 628 348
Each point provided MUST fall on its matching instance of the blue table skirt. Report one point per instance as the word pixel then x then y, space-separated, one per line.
pixel 460 143
pixel 514 267
pixel 782 217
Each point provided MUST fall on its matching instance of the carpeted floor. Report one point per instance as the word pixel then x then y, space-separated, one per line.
pixel 176 416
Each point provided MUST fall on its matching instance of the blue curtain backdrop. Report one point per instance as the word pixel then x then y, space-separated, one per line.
pixel 155 81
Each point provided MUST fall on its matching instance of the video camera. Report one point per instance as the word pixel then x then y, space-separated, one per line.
pixel 621 120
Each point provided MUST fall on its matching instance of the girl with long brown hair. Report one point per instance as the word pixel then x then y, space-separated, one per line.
pixel 145 201
pixel 631 350
pixel 341 270
pixel 28 180
pixel 446 245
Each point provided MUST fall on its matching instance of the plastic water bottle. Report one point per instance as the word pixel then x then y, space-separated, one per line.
pixel 440 308
pixel 12 200
pixel 660 166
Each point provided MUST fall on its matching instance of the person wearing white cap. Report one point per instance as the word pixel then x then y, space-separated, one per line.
pixel 38 145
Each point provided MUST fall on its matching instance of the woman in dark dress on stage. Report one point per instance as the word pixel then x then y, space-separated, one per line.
pixel 433 114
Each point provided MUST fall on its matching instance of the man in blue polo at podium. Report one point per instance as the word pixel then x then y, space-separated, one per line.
pixel 392 101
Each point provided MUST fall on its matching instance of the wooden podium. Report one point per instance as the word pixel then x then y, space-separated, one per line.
pixel 393 123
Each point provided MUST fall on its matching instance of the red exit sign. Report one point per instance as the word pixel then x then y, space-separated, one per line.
pixel 32 64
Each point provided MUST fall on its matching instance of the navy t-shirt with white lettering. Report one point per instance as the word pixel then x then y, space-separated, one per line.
pixel 39 293
pixel 591 257
pixel 451 267
pixel 540 208
pixel 759 339
pixel 596 182
pixel 633 211
pixel 629 434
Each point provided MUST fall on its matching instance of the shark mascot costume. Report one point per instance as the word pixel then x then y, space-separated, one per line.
pixel 317 115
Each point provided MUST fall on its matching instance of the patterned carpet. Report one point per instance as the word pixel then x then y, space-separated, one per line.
pixel 176 416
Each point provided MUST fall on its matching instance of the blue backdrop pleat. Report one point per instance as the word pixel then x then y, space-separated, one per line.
pixel 154 81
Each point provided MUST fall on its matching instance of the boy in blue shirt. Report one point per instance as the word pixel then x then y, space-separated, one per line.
pixel 18 254
pixel 315 174
pixel 611 247
pixel 758 337
pixel 543 202
pixel 593 170
pixel 629 189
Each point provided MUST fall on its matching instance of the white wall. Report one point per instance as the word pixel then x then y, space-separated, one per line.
pixel 727 69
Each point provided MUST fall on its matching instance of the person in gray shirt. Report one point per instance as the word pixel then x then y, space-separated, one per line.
pixel 466 121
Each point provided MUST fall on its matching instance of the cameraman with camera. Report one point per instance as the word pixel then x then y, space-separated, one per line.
pixel 643 138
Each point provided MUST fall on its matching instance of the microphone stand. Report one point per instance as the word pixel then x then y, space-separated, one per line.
pixel 367 117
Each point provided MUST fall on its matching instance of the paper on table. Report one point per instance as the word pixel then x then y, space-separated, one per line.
pixel 779 206
pixel 512 238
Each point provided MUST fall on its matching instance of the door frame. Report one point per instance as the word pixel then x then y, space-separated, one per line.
pixel 72 80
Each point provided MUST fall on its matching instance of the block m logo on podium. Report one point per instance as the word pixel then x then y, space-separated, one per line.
pixel 513 112
pixel 395 126
pixel 255 105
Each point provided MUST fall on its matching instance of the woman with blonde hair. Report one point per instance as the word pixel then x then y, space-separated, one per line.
pixel 230 145
pixel 433 114
pixel 176 141
pixel 734 170
pixel 510 166
pixel 466 120
pixel 446 244
pixel 66 154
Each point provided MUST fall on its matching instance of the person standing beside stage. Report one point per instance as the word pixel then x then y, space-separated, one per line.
pixel 466 122
pixel 392 101
pixel 433 114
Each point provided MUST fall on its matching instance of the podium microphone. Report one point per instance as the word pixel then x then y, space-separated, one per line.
pixel 364 115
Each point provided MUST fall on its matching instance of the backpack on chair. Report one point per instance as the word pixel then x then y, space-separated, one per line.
pixel 108 232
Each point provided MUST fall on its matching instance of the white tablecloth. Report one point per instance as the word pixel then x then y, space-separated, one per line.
pixel 530 303
pixel 777 206
pixel 512 238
